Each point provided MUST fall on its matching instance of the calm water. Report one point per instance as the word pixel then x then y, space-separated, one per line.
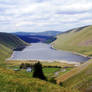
pixel 41 51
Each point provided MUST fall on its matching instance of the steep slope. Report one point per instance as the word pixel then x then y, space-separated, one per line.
pixel 76 40
pixel 11 41
pixel 7 43
pixel 4 53
pixel 80 78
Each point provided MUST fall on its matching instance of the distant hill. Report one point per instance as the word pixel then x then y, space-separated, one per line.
pixel 76 40
pixel 46 33
pixel 32 37
pixel 49 33
pixel 75 29
pixel 37 38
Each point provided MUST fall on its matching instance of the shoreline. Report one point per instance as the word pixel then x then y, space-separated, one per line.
pixel 48 61
pixel 52 46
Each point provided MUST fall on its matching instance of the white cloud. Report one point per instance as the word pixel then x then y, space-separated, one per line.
pixel 40 15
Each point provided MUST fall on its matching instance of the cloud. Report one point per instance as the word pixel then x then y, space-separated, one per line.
pixel 42 15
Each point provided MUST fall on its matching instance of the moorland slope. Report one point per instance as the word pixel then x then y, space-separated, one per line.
pixel 76 40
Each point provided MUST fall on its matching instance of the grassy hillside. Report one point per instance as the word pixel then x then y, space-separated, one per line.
pixel 80 78
pixel 11 41
pixel 76 40
pixel 7 43
pixel 11 81
pixel 4 53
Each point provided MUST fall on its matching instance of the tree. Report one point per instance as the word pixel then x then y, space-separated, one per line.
pixel 22 66
pixel 25 66
pixel 38 72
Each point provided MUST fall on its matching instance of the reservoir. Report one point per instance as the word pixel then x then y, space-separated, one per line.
pixel 42 51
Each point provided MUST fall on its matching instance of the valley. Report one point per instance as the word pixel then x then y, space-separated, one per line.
pixel 45 45
pixel 63 68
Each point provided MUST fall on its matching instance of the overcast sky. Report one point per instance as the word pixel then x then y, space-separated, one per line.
pixel 43 15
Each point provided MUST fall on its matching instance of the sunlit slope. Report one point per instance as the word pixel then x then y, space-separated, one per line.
pixel 76 40
pixel 82 78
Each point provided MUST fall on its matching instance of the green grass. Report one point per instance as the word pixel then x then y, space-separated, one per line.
pixel 11 81
pixel 4 53
pixel 80 77
pixel 7 43
pixel 82 80
pixel 80 41
pixel 49 72
pixel 66 70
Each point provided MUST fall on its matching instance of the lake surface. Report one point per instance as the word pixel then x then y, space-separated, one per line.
pixel 42 51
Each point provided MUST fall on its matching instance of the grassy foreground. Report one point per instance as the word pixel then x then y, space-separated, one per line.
pixel 76 41
pixel 11 81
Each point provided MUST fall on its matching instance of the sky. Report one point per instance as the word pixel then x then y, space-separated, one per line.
pixel 44 15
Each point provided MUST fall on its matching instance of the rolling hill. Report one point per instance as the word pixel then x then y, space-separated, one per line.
pixel 34 37
pixel 46 33
pixel 76 40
